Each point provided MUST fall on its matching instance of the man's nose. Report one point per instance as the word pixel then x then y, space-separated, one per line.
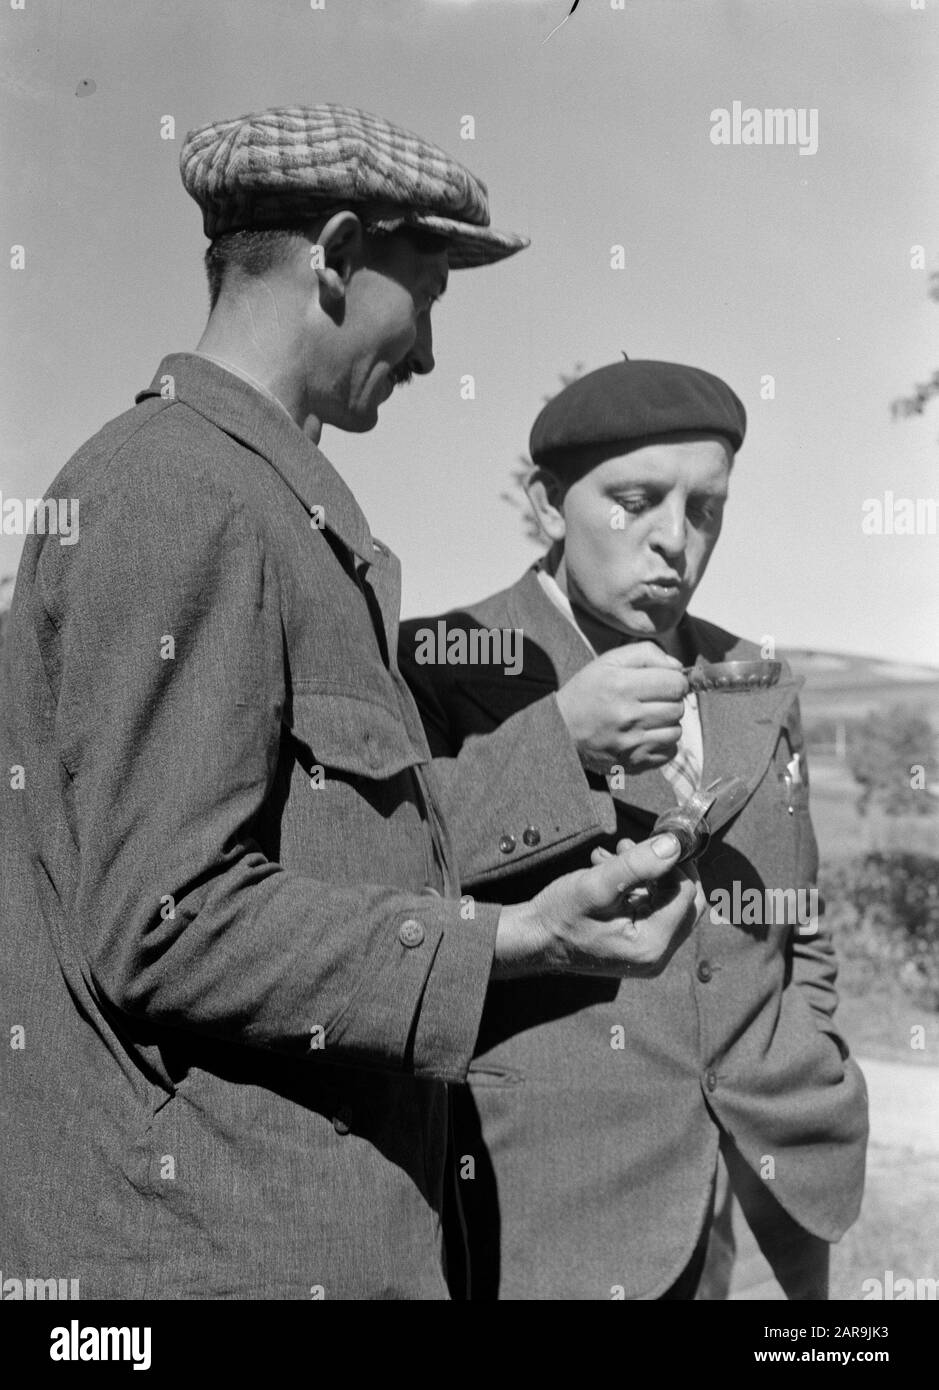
pixel 669 532
pixel 422 354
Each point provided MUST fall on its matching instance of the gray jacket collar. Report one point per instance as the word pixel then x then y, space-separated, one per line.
pixel 262 425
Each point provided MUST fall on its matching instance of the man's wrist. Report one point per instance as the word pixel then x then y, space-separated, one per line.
pixel 521 943
pixel 568 716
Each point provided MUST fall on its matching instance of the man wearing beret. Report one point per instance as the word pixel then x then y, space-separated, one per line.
pixel 234 957
pixel 602 1118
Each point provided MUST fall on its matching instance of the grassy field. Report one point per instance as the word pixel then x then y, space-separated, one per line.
pixel 874 1013
pixel 897 1228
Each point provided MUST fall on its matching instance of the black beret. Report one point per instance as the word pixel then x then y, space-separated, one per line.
pixel 629 404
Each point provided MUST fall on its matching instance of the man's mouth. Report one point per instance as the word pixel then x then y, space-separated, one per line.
pixel 401 375
pixel 665 588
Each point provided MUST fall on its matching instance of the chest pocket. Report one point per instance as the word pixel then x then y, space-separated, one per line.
pixel 356 734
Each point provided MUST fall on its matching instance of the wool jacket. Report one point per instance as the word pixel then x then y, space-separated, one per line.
pixel 586 1138
pixel 234 965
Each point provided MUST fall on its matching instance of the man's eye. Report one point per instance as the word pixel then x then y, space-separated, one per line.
pixel 633 505
pixel 703 511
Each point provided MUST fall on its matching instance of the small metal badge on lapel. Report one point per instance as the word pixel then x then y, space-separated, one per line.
pixel 793 777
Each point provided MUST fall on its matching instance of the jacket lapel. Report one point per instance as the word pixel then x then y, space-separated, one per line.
pixel 546 633
pixel 738 729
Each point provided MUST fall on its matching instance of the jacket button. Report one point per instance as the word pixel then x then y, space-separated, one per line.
pixel 704 971
pixel 410 933
pixel 342 1121
pixel 531 836
pixel 711 1081
pixel 507 844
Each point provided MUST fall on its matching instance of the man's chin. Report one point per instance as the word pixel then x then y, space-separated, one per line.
pixel 647 623
pixel 356 421
pixel 644 627
pixel 613 628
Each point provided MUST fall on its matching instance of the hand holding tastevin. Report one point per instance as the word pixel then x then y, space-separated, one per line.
pixel 583 923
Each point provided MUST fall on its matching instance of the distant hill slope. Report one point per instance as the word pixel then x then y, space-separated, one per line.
pixel 843 686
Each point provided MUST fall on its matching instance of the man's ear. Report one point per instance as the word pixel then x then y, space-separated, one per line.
pixel 338 252
pixel 546 496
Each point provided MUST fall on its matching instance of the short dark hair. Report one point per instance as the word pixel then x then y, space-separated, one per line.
pixel 255 251
pixel 252 251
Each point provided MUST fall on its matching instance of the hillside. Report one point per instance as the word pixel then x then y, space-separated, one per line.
pixel 843 686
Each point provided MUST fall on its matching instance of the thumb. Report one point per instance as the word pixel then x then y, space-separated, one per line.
pixel 642 863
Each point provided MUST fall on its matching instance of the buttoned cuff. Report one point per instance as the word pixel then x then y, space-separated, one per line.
pixel 452 1005
pixel 421 1008
pixel 556 807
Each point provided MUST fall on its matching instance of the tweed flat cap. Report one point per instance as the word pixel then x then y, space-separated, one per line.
pixel 296 161
pixel 629 404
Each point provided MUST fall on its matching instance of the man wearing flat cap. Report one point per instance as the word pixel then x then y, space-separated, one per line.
pixel 602 1118
pixel 231 932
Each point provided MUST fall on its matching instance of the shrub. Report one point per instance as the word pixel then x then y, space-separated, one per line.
pixel 883 750
pixel 884 909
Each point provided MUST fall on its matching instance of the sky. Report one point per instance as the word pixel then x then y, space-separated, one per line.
pixel 751 261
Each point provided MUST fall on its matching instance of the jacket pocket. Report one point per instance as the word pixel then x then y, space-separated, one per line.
pixel 828 1030
pixel 353 733
pixel 824 1029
